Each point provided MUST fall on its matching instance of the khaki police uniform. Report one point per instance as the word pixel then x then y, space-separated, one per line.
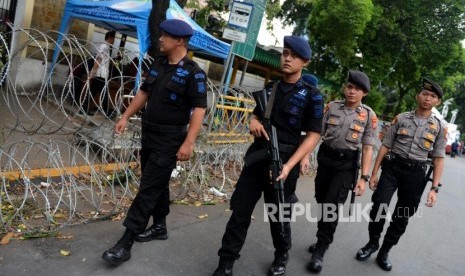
pixel 173 91
pixel 410 140
pixel 345 130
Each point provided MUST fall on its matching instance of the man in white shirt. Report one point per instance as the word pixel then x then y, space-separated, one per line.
pixel 98 76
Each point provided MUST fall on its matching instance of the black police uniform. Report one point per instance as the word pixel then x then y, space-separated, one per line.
pixel 297 107
pixel 173 91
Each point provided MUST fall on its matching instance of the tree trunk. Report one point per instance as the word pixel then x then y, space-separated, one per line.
pixel 402 92
pixel 157 15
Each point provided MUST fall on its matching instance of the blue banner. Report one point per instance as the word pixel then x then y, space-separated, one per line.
pixel 201 41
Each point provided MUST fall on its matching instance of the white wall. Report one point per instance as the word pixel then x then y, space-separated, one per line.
pixel 28 75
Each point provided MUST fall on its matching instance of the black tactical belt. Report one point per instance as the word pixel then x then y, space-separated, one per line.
pixel 287 148
pixel 262 153
pixel 408 163
pixel 338 153
pixel 162 128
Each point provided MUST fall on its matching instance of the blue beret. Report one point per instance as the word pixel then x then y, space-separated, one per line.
pixel 432 86
pixel 310 79
pixel 360 79
pixel 176 28
pixel 298 45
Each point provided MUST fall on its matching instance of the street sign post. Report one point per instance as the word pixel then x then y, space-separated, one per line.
pixel 246 49
pixel 244 24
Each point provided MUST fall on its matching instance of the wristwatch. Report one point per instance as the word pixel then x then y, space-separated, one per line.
pixel 435 188
pixel 366 177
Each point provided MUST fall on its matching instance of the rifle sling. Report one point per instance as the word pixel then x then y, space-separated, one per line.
pixel 269 104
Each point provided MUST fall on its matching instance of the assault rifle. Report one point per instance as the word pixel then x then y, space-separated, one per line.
pixel 273 153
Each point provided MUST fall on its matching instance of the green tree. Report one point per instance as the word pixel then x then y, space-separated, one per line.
pixel 395 42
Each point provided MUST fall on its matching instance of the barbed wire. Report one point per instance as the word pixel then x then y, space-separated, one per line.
pixel 60 166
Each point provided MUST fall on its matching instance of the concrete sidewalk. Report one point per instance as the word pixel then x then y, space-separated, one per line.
pixel 425 249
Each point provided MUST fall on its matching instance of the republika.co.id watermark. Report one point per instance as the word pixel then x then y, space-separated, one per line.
pixel 328 212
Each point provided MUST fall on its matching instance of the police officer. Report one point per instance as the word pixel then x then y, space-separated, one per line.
pixel 297 107
pixel 403 156
pixel 348 128
pixel 174 94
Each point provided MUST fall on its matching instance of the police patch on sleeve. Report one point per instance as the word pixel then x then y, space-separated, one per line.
pixel 374 121
pixel 318 111
pixel 201 87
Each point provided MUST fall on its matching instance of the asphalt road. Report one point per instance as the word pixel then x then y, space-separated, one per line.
pixel 432 245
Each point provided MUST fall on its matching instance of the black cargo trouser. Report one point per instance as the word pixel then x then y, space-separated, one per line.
pixel 409 181
pixel 333 181
pixel 254 180
pixel 97 89
pixel 152 198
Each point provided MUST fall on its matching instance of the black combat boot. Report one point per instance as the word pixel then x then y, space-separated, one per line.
pixel 121 252
pixel 316 262
pixel 278 267
pixel 312 248
pixel 365 252
pixel 224 268
pixel 155 232
pixel 383 257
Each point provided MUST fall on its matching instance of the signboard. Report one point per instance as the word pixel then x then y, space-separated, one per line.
pixel 239 19
pixel 246 48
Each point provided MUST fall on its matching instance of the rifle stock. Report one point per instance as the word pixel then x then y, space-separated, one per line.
pixel 357 171
pixel 429 172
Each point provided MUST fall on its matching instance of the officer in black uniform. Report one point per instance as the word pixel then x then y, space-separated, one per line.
pixel 297 107
pixel 174 94
pixel 348 129
pixel 403 154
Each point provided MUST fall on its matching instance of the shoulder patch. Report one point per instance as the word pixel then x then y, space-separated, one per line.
pixel 374 121
pixel 326 108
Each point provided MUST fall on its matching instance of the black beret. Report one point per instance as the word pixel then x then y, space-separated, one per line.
pixel 432 86
pixel 176 28
pixel 310 79
pixel 298 45
pixel 360 79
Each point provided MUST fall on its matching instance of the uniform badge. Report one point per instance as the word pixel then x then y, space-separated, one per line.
pixel 182 72
pixel 332 121
pixel 374 121
pixel 357 127
pixel 403 132
pixel 430 136
pixel 433 126
pixel 427 86
pixel 201 87
pixel 427 144
pixel 354 135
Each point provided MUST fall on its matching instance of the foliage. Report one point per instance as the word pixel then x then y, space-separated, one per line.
pixel 336 25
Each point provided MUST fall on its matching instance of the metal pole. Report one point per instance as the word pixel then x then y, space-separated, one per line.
pixel 244 71
pixel 226 78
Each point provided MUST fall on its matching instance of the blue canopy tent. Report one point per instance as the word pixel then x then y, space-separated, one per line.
pixel 132 18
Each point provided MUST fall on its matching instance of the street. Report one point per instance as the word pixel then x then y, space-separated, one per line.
pixel 432 245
